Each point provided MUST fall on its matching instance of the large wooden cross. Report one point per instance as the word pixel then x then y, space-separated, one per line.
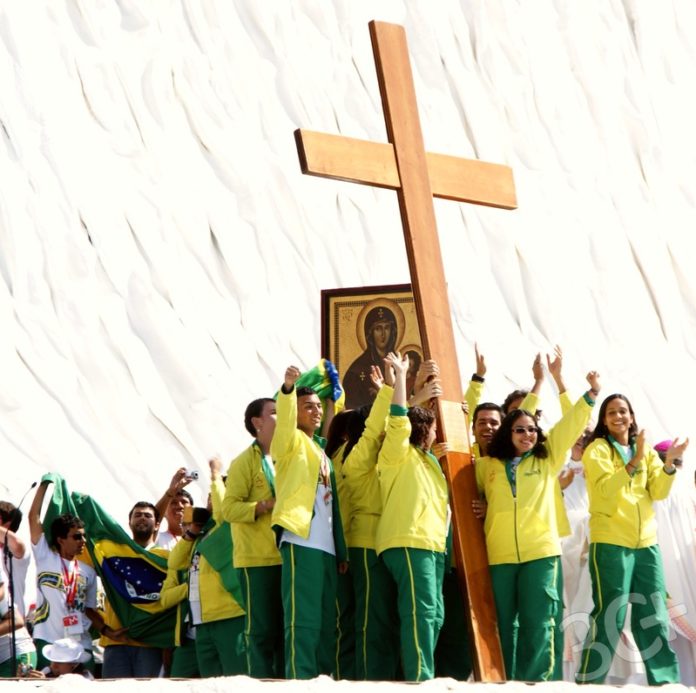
pixel 416 175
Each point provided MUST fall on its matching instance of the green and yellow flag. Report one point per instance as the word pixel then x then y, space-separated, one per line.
pixel 131 575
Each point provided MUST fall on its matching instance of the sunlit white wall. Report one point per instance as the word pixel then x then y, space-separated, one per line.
pixel 161 256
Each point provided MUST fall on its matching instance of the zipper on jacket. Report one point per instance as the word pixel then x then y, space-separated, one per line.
pixel 640 523
pixel 640 519
pixel 517 545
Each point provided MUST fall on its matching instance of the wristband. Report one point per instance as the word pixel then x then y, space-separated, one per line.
pixel 476 378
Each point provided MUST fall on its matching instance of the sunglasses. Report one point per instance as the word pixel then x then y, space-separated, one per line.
pixel 78 536
pixel 525 429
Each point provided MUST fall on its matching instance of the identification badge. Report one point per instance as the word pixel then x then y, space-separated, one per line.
pixel 72 624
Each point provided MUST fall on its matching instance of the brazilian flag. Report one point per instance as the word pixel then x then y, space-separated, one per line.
pixel 131 575
pixel 324 380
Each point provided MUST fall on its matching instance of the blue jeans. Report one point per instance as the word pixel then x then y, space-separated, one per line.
pixel 130 662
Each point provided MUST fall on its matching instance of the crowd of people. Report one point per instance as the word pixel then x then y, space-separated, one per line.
pixel 339 528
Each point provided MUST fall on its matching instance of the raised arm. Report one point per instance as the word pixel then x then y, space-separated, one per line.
pixel 538 373
pixel 571 425
pixel 400 366
pixel 363 457
pixel 556 368
pixel 217 488
pixel 35 526
pixel 15 544
pixel 286 415
pixel 661 476
pixel 396 441
pixel 178 482
pixel 474 390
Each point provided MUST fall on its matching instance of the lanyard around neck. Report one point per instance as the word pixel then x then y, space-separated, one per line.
pixel 267 469
pixel 70 581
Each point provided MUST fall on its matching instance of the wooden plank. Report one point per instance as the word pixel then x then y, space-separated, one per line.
pixel 434 318
pixel 473 181
pixel 374 163
pixel 347 159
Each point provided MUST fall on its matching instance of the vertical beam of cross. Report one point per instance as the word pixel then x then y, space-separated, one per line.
pixel 406 167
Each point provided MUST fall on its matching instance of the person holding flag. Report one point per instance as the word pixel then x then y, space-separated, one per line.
pixel 131 574
pixel 67 587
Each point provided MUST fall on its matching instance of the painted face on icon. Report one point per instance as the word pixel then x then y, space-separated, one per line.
pixel 381 334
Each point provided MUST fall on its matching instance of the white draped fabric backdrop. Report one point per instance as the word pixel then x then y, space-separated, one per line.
pixel 161 256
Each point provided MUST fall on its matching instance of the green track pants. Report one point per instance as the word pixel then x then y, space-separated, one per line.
pixel 220 647
pixel 376 638
pixel 418 574
pixel 528 604
pixel 309 606
pixel 453 651
pixel 621 576
pixel 263 624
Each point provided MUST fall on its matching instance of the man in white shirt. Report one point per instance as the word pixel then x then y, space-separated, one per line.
pixel 67 588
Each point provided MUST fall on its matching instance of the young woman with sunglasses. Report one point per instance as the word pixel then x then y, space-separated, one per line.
pixel 518 480
pixel 624 476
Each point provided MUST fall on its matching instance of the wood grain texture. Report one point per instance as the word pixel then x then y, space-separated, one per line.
pixel 403 165
pixel 374 163
pixel 434 318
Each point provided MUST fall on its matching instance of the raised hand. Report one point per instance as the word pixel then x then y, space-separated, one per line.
pixel 480 362
pixel 431 389
pixel 376 377
pixel 179 480
pixel 292 373
pixel 388 373
pixel 398 362
pixel 640 452
pixel 537 369
pixel 215 464
pixel 428 369
pixel 595 382
pixel 556 364
pixel 675 453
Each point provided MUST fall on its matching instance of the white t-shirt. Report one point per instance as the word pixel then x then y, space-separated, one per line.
pixel 52 607
pixel 166 540
pixel 20 567
pixel 321 527
pixel 195 590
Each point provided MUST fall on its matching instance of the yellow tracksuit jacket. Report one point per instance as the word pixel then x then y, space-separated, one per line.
pixel 216 602
pixel 254 540
pixel 413 491
pixel 360 475
pixel 621 510
pixel 173 592
pixel 297 460
pixel 524 528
